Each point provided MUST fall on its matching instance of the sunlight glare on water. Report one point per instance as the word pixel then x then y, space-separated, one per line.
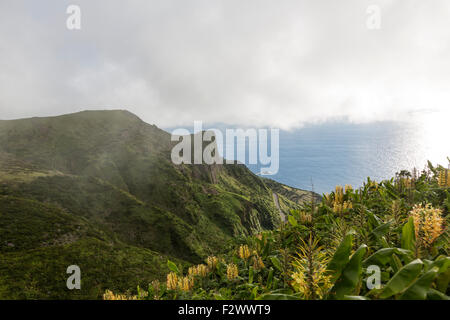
pixel 433 134
pixel 333 154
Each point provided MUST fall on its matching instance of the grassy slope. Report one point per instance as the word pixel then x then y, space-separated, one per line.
pixel 113 172
pixel 401 226
pixel 39 241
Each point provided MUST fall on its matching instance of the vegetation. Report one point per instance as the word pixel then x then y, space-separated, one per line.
pixel 98 189
pixel 395 229
pixel 43 240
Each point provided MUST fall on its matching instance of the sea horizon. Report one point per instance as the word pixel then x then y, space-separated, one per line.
pixel 321 156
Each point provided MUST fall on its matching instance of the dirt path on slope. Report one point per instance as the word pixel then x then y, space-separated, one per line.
pixel 277 203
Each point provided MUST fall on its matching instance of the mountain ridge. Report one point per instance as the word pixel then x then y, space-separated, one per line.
pixel 114 170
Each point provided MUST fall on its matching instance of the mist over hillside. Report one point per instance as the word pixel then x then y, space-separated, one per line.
pixel 98 189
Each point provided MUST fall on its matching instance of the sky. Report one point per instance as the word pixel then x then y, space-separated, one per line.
pixel 246 63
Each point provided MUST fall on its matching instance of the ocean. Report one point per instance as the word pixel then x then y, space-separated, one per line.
pixel 338 153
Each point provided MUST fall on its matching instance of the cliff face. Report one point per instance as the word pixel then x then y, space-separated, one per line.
pixel 108 179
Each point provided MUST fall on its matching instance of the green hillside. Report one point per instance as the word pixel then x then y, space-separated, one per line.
pixel 385 240
pixel 98 189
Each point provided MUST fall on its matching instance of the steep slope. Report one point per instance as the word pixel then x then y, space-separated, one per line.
pixel 39 241
pixel 114 171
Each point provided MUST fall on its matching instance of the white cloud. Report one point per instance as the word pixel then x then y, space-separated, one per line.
pixel 253 63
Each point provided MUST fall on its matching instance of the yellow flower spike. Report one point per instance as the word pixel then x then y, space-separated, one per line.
pixel 258 263
pixel 348 188
pixel 305 218
pixel 232 271
pixel 347 205
pixel 244 252
pixel 428 224
pixel 109 295
pixel 186 283
pixel 172 281
pixel 448 178
pixel 311 280
pixel 339 205
pixel 212 263
pixel 337 208
pixel 339 195
pixel 200 270
pixel 444 178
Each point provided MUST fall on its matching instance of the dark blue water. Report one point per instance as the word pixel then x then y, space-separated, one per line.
pixel 337 154
pixel 331 154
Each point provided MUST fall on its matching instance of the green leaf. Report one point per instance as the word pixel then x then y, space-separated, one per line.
pixel 397 263
pixel 340 257
pixel 431 167
pixel 295 213
pixel 292 221
pixel 402 279
pixel 172 267
pixel 351 274
pixel 443 281
pixel 418 290
pixel 383 242
pixel 408 235
pixel 383 256
pixel 270 278
pixel 250 275
pixel 391 190
pixel 442 262
pixel 381 230
pixel 436 295
pixel 276 263
pixel 254 292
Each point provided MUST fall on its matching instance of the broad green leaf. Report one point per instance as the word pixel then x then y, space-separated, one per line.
pixel 340 257
pixel 254 292
pixel 383 256
pixel 402 279
pixel 431 167
pixel 276 263
pixel 250 275
pixel 351 274
pixel 292 221
pixel 442 262
pixel 391 190
pixel 418 290
pixel 384 242
pixel 436 295
pixel 408 235
pixel 275 282
pixel 270 278
pixel 443 277
pixel 427 264
pixel 397 263
pixel 295 213
pixel 381 230
pixel 172 266
pixel 443 280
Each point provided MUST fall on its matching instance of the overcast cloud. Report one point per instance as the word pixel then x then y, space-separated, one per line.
pixel 241 62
